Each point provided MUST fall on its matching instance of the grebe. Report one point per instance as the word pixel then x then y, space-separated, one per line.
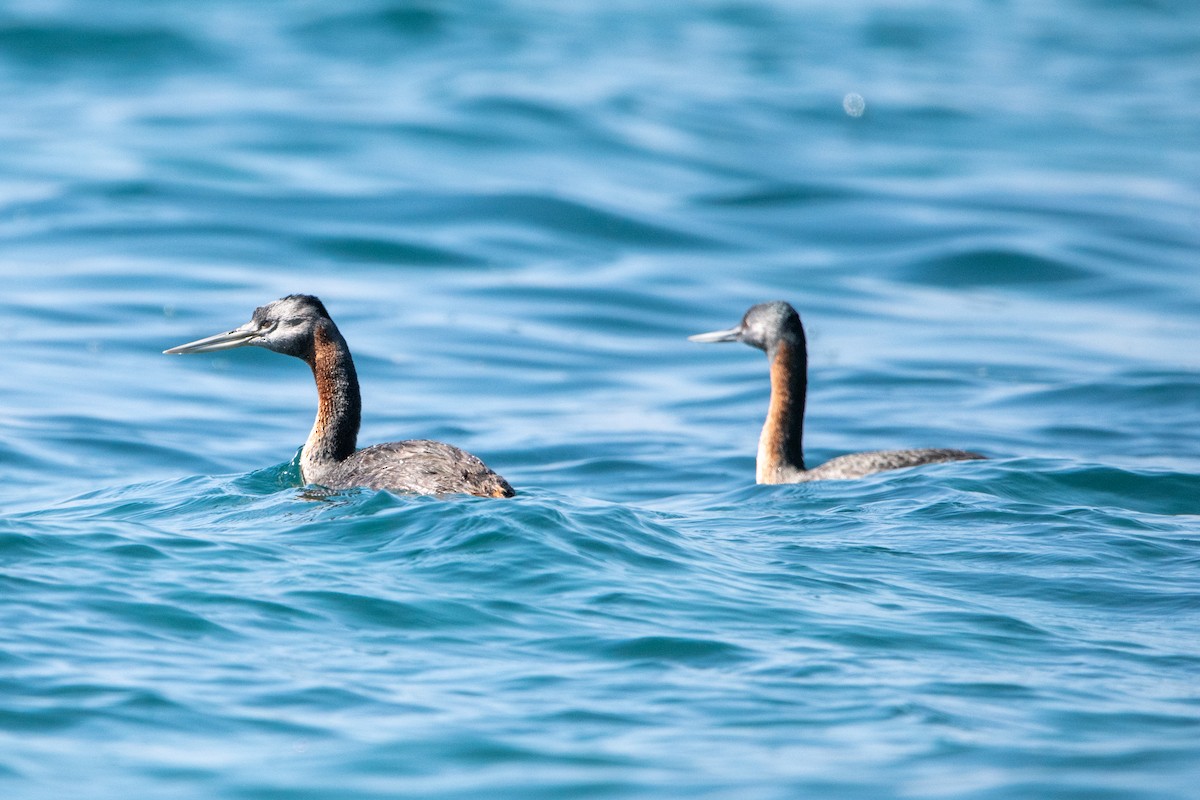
pixel 775 328
pixel 298 325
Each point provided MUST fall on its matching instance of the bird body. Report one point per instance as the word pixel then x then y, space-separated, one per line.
pixel 299 326
pixel 776 329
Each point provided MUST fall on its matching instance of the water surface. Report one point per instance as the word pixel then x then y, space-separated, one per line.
pixel 516 212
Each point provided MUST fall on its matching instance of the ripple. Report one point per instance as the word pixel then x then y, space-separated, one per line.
pixel 123 51
pixel 361 610
pixel 675 649
pixel 162 618
pixel 785 195
pixel 995 267
pixel 375 250
pixel 382 28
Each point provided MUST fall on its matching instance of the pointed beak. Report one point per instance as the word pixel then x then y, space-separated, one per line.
pixel 238 337
pixel 732 335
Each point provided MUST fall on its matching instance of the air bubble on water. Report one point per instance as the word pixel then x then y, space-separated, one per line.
pixel 854 104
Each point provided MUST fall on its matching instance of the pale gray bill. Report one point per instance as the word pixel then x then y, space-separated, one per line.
pixel 731 335
pixel 238 337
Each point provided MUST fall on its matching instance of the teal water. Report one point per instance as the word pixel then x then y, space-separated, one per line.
pixel 516 212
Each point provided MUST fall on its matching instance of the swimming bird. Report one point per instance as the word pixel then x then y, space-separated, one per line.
pixel 298 325
pixel 775 328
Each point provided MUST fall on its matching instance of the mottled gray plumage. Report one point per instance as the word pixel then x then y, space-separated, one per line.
pixel 775 328
pixel 858 465
pixel 299 325
pixel 416 466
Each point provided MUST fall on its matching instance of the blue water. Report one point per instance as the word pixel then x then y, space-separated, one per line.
pixel 517 211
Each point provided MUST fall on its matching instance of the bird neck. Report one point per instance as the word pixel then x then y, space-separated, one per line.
pixel 780 447
pixel 334 435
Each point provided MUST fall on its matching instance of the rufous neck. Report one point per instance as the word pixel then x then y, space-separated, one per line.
pixel 780 446
pixel 334 435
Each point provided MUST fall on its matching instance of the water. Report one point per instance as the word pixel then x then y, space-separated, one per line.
pixel 516 212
